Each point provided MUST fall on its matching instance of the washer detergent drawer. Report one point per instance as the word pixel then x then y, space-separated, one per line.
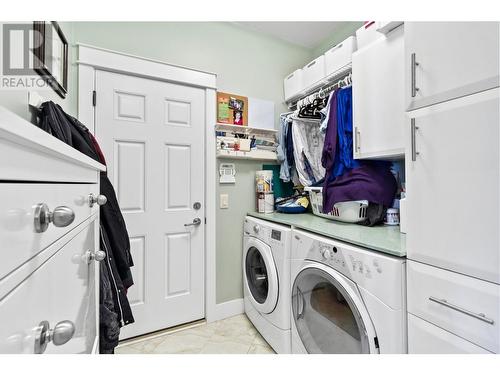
pixel 426 338
pixel 60 290
pixel 465 306
pixel 19 240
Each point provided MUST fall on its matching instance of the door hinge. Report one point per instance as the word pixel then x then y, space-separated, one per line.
pixel 205 220
pixel 94 97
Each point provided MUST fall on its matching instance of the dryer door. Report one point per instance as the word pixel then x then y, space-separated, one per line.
pixel 260 275
pixel 328 313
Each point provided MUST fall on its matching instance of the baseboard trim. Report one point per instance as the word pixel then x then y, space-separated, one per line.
pixel 226 310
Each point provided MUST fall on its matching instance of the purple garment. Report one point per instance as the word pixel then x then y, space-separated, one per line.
pixel 372 181
pixel 330 145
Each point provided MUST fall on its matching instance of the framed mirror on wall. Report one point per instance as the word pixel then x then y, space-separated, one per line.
pixel 50 49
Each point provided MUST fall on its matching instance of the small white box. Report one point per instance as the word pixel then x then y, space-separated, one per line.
pixel 340 55
pixel 367 34
pixel 314 71
pixel 293 84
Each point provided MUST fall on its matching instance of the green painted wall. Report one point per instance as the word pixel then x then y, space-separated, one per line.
pixel 348 30
pixel 246 63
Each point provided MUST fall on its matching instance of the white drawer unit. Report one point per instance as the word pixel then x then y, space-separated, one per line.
pixel 340 55
pixel 313 72
pixel 462 305
pixel 447 60
pixel 49 242
pixel 378 98
pixel 426 338
pixel 293 84
pixel 24 227
pixel 54 299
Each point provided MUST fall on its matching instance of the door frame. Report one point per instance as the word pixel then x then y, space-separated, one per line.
pixel 91 59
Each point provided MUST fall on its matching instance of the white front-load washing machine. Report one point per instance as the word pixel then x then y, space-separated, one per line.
pixel 345 299
pixel 266 280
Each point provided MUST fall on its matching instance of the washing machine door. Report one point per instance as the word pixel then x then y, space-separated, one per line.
pixel 328 313
pixel 260 275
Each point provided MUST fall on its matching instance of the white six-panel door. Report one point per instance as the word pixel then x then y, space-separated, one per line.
pixel 152 135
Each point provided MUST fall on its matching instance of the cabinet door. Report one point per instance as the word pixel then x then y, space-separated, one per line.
pixel 453 183
pixel 454 59
pixel 378 98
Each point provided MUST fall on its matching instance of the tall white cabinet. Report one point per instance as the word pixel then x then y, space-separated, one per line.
pixel 49 243
pixel 452 178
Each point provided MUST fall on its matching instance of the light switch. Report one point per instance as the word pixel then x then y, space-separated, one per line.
pixel 224 201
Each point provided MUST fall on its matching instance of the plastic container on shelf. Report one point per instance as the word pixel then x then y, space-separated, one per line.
pixel 367 34
pixel 348 212
pixel 293 84
pixel 340 55
pixel 314 72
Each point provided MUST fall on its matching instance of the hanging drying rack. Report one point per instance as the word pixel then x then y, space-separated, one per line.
pixel 323 92
pixel 328 83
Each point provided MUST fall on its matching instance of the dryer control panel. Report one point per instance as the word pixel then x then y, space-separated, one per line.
pixel 379 273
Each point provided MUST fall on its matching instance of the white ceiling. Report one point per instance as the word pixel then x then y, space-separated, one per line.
pixel 304 34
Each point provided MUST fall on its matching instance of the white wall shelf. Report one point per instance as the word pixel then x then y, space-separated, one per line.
pixel 255 154
pixel 246 130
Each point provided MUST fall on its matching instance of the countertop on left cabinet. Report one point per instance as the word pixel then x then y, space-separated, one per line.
pixel 49 242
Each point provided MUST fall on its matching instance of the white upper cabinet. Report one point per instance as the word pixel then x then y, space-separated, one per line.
pixel 378 98
pixel 447 60
pixel 452 175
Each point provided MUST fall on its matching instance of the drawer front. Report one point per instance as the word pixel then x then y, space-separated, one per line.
pixel 426 338
pixel 61 289
pixel 462 305
pixel 18 240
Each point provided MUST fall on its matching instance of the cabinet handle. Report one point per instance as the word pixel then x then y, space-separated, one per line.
pixel 62 216
pixel 445 303
pixel 414 152
pixel 414 65
pixel 357 138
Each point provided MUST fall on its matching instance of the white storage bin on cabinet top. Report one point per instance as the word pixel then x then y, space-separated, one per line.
pixel 314 71
pixel 367 34
pixel 340 55
pixel 293 84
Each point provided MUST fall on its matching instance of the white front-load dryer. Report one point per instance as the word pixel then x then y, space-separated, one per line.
pixel 266 280
pixel 345 299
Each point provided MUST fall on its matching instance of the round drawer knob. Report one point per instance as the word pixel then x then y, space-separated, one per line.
pixel 62 216
pixel 98 256
pixel 59 335
pixel 100 200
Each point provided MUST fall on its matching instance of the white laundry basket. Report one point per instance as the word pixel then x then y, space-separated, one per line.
pixel 348 212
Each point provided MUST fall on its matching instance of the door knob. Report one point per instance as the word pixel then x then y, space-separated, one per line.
pixel 59 335
pixel 100 200
pixel 98 256
pixel 196 222
pixel 62 216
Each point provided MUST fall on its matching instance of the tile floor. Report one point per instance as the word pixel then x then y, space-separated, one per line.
pixel 235 335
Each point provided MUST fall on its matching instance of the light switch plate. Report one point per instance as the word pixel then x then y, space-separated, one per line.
pixel 224 201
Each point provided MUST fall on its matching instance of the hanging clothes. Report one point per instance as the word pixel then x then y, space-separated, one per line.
pixel 325 113
pixel 116 276
pixel 307 148
pixel 281 151
pixel 347 179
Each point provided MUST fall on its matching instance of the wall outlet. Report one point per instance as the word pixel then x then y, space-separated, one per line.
pixel 224 201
